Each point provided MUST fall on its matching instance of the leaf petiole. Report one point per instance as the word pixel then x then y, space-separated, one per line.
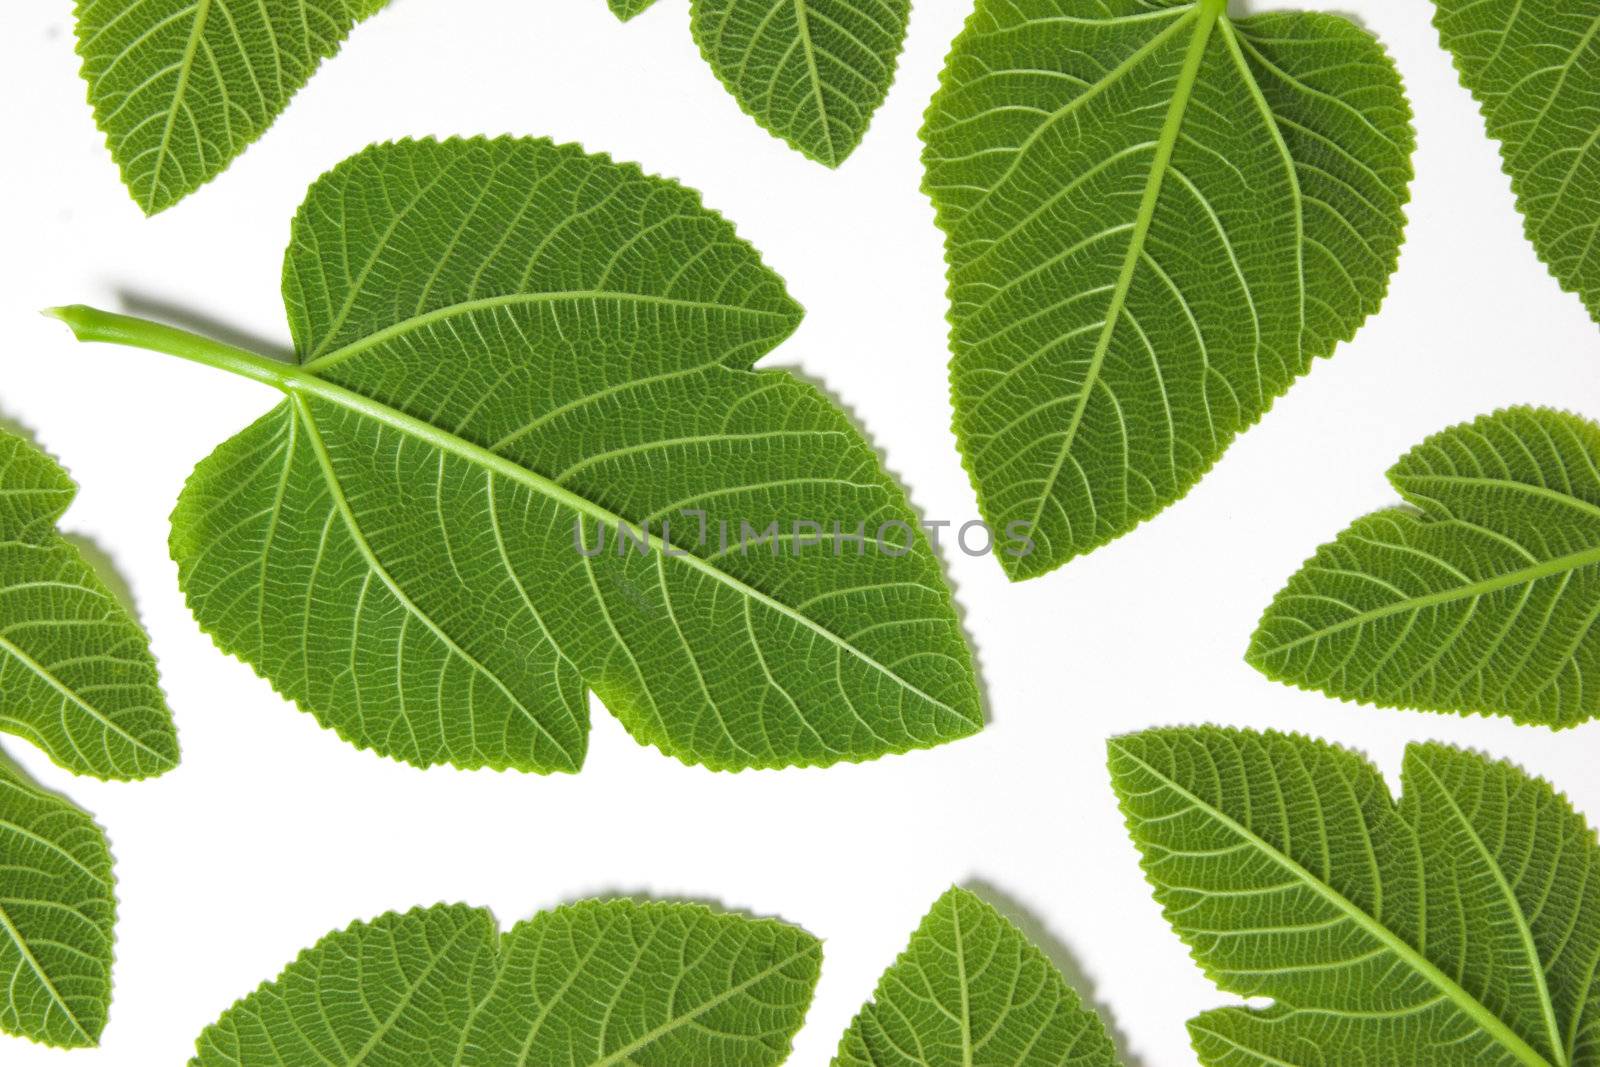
pixel 93 324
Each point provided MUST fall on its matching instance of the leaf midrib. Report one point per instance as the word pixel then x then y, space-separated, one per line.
pixel 1206 15
pixel 202 11
pixel 1425 968
pixel 468 307
pixel 1522 575
pixel 292 380
pixel 962 983
pixel 1403 481
pixel 803 26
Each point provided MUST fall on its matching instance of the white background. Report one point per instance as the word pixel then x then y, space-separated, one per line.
pixel 273 832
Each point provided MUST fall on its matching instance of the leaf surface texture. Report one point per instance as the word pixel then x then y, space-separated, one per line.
pixel 57 908
pixel 1534 68
pixel 1155 217
pixel 970 989
pixel 76 675
pixel 593 984
pixel 810 71
pixel 1480 595
pixel 627 9
pixel 1455 927
pixel 504 345
pixel 181 87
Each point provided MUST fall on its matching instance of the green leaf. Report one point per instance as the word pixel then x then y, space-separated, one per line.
pixel 809 71
pixel 506 344
pixel 1478 597
pixel 1458 927
pixel 57 908
pixel 76 679
pixel 970 989
pixel 76 675
pixel 593 984
pixel 1154 218
pixel 181 87
pixel 1534 68
pixel 627 9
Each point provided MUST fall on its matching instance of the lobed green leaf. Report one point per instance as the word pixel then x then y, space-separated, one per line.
pixel 1457 927
pixel 593 984
pixel 1478 596
pixel 508 351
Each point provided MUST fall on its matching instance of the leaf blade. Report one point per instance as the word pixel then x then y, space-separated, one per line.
pixel 1105 348
pixel 1474 598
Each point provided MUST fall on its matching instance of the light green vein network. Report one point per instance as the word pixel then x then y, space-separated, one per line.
pixel 1156 216
pixel 76 675
pixel 968 990
pixel 593 984
pixel 506 345
pixel 1478 596
pixel 1534 68
pixel 809 71
pixel 1458 927
pixel 181 87
pixel 57 910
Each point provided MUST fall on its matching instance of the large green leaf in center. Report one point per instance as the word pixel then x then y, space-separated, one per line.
pixel 505 344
